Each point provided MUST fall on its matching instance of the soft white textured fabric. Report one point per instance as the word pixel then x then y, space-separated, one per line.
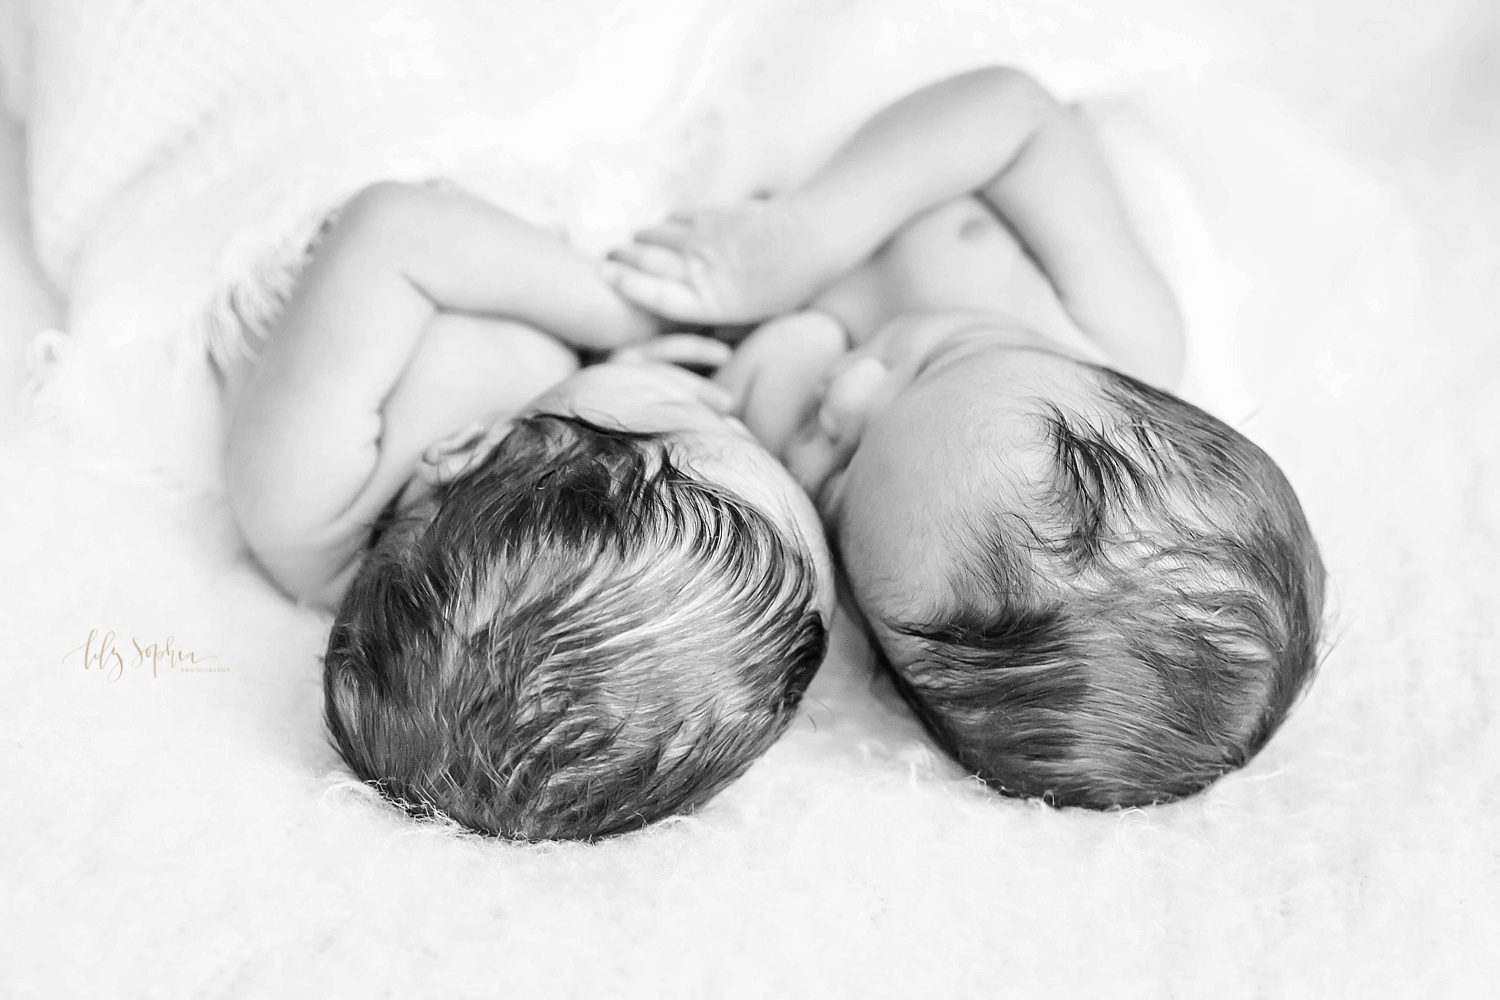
pixel 15 57
pixel 182 152
pixel 321 94
pixel 318 92
pixel 191 834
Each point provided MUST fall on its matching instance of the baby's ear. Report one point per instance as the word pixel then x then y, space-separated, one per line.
pixel 458 453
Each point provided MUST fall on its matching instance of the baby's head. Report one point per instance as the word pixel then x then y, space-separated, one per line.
pixel 581 628
pixel 1092 591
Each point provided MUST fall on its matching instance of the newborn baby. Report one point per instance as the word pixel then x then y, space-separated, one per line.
pixel 1090 590
pixel 570 602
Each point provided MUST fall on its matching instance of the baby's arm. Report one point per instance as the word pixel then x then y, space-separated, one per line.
pixel 326 431
pixel 994 132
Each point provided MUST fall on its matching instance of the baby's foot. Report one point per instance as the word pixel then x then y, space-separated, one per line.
pixel 737 265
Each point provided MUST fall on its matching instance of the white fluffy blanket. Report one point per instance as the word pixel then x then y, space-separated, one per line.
pixel 176 824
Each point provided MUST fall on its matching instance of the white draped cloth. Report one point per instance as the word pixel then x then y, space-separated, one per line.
pixel 183 153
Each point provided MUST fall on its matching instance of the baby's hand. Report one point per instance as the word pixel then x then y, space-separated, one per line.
pixel 736 265
pixel 686 350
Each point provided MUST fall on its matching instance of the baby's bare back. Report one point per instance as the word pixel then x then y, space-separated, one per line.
pixel 957 256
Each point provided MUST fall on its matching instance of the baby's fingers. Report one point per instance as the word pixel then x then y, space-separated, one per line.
pixel 652 259
pixel 674 234
pixel 685 349
pixel 660 295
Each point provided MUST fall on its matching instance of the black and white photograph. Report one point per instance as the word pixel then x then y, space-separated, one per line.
pixel 749 499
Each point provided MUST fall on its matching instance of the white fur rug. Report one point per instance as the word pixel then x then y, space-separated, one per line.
pixel 169 832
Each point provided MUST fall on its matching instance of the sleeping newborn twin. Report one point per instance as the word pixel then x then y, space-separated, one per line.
pixel 574 600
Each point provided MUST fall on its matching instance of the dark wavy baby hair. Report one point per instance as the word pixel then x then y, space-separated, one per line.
pixel 571 641
pixel 1142 629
